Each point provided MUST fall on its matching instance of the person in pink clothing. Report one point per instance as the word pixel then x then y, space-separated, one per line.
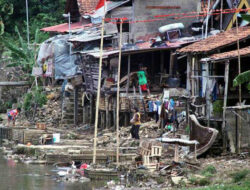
pixel 12 114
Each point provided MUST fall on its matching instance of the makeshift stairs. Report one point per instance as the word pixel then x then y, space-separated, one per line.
pixel 68 110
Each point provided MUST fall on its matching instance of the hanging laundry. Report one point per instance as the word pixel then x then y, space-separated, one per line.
pixel 171 104
pixel 150 106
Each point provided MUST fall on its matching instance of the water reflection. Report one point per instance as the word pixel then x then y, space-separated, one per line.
pixel 18 176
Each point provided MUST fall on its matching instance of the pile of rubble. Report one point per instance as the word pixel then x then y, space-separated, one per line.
pixel 50 113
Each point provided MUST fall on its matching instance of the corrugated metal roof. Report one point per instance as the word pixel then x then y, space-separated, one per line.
pixel 229 55
pixel 213 42
pixel 62 28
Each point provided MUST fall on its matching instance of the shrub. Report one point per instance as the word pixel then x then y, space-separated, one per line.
pixel 240 175
pixel 218 106
pixel 35 97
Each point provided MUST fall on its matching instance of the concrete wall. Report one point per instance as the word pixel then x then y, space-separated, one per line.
pixel 143 12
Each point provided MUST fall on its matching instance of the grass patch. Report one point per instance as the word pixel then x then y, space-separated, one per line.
pixel 240 175
pixel 210 169
pixel 245 185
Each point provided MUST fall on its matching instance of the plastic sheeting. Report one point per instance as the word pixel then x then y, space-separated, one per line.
pixel 58 49
pixel 64 64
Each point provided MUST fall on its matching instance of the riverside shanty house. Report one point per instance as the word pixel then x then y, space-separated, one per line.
pixel 144 47
pixel 212 64
pixel 147 45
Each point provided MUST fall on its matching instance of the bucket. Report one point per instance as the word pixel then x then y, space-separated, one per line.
pixel 56 138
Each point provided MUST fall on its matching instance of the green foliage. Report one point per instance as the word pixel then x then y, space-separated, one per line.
pixel 1 119
pixel 242 78
pixel 218 106
pixel 194 180
pixel 210 169
pixel 240 175
pixel 22 54
pixel 33 98
pixel 6 9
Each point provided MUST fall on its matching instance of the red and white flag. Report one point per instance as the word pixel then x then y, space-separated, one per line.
pixel 100 9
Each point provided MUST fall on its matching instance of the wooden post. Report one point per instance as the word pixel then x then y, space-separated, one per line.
pixel 176 153
pixel 76 105
pixel 237 133
pixel 188 84
pixel 91 110
pixel 208 95
pixel 171 63
pixel 129 62
pixel 98 93
pixel 107 111
pixel 118 97
pixel 192 79
pixel 225 104
pixel 162 61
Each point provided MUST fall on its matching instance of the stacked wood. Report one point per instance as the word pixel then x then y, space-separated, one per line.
pixel 102 103
pixel 136 101
pixel 17 135
pixel 124 104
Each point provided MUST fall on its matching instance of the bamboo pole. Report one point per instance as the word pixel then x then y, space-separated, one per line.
pixel 118 96
pixel 221 19
pixel 98 93
pixel 239 70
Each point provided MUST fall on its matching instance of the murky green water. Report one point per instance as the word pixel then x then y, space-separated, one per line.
pixel 18 176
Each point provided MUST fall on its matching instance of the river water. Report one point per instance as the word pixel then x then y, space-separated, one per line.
pixel 19 176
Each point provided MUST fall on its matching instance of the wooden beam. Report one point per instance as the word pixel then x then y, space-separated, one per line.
pixel 19 83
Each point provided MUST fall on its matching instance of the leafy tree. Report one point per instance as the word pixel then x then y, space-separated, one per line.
pixel 242 78
pixel 246 17
pixel 22 54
